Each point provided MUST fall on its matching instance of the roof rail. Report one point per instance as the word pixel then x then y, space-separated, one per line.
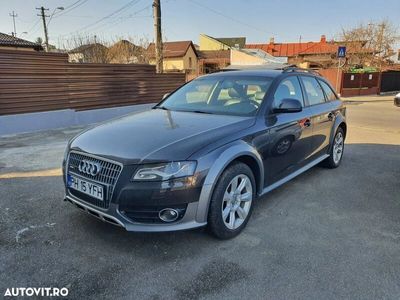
pixel 296 69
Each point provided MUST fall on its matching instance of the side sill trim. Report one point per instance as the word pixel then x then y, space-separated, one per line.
pixel 293 175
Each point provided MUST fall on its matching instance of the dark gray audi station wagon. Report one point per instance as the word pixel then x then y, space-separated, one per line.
pixel 207 151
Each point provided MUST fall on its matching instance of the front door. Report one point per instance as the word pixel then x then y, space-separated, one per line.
pixel 286 143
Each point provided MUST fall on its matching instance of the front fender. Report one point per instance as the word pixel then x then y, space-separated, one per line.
pixel 222 157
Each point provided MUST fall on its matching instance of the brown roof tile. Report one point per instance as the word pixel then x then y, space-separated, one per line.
pixel 172 49
pixel 11 41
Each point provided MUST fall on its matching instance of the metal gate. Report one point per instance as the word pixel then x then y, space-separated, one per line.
pixel 390 81
pixel 359 84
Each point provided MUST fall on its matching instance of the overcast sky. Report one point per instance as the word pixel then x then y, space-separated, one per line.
pixel 258 20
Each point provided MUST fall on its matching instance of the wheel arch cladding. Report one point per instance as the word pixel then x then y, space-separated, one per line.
pixel 239 151
pixel 339 122
pixel 254 167
pixel 344 128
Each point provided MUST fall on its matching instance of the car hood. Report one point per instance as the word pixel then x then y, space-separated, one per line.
pixel 157 135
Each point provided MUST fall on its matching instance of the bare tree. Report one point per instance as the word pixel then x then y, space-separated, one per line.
pixel 370 44
pixel 128 51
pixel 87 49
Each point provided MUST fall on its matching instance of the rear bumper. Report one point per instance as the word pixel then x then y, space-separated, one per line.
pixel 114 216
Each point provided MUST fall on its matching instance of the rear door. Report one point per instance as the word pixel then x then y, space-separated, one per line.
pixel 285 145
pixel 322 116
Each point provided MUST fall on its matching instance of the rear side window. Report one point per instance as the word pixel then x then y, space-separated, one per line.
pixel 313 90
pixel 330 95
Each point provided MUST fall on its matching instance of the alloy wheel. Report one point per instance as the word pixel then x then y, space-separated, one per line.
pixel 338 147
pixel 237 201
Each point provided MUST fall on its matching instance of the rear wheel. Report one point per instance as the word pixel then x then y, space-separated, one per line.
pixel 231 202
pixel 336 151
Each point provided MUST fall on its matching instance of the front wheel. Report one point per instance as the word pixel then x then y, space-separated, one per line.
pixel 231 202
pixel 336 150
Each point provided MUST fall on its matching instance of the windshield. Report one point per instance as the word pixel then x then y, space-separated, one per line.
pixel 228 95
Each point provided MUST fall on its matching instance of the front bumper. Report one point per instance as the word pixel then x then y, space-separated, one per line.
pixel 113 215
pixel 135 206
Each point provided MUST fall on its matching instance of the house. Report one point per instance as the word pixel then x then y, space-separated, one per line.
pixel 89 53
pixel 14 43
pixel 178 56
pixel 125 52
pixel 211 61
pixel 215 53
pixel 208 43
pixel 321 54
pixel 250 58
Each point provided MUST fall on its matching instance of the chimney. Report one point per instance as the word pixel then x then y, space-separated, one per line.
pixel 323 38
pixel 272 40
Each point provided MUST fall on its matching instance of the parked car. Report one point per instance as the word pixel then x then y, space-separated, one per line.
pixel 397 100
pixel 207 151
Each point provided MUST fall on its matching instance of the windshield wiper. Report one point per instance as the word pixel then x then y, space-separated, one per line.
pixel 160 107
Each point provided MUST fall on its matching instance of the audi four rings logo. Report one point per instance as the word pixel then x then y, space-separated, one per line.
pixel 89 167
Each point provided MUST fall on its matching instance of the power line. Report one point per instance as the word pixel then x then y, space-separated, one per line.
pixel 33 26
pixel 70 8
pixel 229 17
pixel 119 10
pixel 121 19
pixel 115 13
pixel 76 2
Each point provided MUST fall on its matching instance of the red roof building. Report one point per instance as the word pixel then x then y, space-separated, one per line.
pixel 307 55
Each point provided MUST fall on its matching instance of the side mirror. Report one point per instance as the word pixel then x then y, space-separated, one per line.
pixel 288 106
pixel 165 96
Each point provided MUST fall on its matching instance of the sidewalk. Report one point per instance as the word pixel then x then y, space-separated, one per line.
pixel 369 98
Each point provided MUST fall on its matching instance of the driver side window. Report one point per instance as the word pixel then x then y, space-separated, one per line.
pixel 288 88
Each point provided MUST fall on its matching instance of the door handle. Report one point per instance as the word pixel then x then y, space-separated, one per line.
pixel 307 123
pixel 331 116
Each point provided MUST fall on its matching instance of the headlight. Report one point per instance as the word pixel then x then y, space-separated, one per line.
pixel 165 171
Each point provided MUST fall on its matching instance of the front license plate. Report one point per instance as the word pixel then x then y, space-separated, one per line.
pixel 86 187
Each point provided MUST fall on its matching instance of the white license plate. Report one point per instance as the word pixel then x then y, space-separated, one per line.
pixel 86 187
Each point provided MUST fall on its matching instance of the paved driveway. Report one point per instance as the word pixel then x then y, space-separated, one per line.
pixel 327 234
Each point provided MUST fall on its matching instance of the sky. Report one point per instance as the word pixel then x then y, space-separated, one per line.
pixel 257 20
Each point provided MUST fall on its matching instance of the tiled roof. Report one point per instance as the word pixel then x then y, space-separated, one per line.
pixel 126 45
pixel 172 49
pixel 282 49
pixel 88 47
pixel 11 41
pixel 310 48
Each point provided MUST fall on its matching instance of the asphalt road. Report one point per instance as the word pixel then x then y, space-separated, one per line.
pixel 327 234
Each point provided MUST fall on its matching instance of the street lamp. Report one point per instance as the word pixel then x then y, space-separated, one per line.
pixel 52 14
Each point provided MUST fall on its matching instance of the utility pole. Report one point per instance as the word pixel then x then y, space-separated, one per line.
pixel 14 15
pixel 158 37
pixel 43 15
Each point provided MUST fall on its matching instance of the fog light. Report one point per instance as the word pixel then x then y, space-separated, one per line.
pixel 168 215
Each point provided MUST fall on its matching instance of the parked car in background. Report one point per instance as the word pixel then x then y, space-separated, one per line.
pixel 206 152
pixel 397 100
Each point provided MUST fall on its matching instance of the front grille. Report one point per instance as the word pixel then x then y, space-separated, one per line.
pixel 108 176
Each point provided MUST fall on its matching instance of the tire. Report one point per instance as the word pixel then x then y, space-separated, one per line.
pixel 333 161
pixel 227 201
